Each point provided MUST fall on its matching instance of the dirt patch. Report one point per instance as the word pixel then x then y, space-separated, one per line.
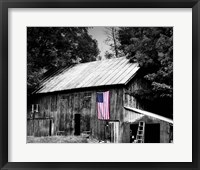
pixel 56 139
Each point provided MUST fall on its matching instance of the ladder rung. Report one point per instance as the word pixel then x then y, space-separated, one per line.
pixel 141 134
pixel 139 137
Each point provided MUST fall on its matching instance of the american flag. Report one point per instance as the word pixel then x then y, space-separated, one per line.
pixel 103 105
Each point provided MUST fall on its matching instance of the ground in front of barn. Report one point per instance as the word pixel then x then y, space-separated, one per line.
pixel 62 139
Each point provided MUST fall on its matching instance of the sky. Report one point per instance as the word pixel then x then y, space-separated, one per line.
pixel 98 33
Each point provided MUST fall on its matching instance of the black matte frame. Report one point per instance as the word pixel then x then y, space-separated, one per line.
pixel 6 4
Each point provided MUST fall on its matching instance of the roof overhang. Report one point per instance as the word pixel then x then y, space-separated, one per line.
pixel 153 115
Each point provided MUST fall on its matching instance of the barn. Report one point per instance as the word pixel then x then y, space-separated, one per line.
pixel 66 104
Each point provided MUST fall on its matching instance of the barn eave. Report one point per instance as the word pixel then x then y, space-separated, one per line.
pixel 149 114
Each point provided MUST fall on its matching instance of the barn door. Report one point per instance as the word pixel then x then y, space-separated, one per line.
pixel 114 131
pixel 77 124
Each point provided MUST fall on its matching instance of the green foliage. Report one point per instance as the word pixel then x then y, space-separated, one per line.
pixel 109 55
pixel 152 48
pixel 50 48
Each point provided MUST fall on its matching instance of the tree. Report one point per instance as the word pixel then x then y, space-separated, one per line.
pixel 112 40
pixel 152 48
pixel 50 48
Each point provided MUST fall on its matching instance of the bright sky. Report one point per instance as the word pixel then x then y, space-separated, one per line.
pixel 98 33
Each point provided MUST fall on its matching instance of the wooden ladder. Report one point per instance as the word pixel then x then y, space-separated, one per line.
pixel 140 132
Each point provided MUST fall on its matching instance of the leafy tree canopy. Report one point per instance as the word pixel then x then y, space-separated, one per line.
pixel 152 48
pixel 50 48
pixel 109 55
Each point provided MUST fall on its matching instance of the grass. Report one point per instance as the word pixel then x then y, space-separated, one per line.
pixel 60 139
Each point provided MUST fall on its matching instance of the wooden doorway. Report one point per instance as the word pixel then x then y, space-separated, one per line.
pixel 77 124
pixel 133 132
pixel 114 131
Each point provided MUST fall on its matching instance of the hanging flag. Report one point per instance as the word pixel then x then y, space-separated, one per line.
pixel 103 105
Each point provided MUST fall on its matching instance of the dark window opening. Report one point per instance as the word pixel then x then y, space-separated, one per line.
pixel 133 132
pixel 152 133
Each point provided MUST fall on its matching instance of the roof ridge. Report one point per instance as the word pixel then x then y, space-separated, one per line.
pixel 116 58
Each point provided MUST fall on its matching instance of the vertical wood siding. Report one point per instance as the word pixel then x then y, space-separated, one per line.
pixel 130 116
pixel 38 127
pixel 131 101
pixel 63 107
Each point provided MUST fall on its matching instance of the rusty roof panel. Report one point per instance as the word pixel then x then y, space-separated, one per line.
pixel 92 74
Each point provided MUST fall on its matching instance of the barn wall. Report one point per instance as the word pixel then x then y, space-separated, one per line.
pixel 125 132
pixel 47 110
pixel 130 101
pixel 63 107
pixel 38 127
pixel 164 132
pixel 134 85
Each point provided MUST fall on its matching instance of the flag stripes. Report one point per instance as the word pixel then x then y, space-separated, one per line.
pixel 103 105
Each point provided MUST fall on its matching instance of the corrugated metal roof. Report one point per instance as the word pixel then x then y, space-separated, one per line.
pixel 92 74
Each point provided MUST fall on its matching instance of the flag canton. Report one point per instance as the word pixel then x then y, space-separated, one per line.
pixel 100 97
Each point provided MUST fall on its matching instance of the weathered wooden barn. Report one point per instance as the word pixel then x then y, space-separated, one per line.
pixel 66 104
